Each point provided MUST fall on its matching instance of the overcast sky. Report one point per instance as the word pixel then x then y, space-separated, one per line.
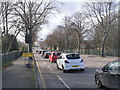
pixel 66 9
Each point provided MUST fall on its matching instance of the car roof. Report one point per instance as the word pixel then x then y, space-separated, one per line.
pixel 68 53
pixel 56 52
pixel 47 52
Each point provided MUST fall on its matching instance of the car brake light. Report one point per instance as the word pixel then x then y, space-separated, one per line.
pixel 66 61
pixel 81 60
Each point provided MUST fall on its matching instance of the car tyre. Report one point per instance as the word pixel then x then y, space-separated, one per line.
pixel 49 60
pixel 64 71
pixel 57 66
pixel 82 69
pixel 98 81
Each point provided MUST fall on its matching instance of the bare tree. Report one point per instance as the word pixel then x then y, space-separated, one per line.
pixel 33 14
pixel 100 13
pixel 68 30
pixel 58 36
pixel 79 25
pixel 7 20
pixel 18 29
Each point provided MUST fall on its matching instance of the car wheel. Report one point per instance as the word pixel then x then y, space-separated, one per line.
pixel 49 60
pixel 98 81
pixel 64 71
pixel 82 69
pixel 57 66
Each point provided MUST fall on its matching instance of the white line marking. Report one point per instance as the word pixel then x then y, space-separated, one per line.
pixel 63 82
pixel 50 68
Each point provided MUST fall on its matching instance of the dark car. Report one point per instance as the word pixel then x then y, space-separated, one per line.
pixel 46 55
pixel 42 53
pixel 36 50
pixel 109 75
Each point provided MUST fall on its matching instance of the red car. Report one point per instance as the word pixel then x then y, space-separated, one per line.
pixel 53 56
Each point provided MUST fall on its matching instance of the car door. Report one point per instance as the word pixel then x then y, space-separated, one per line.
pixel 104 75
pixel 113 76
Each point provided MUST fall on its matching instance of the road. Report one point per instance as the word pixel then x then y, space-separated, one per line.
pixel 55 78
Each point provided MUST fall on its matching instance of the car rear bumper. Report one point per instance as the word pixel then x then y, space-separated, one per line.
pixel 74 66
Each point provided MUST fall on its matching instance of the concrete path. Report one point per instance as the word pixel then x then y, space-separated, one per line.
pixel 18 75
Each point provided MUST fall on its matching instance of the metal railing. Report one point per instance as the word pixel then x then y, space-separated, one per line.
pixel 9 57
pixel 91 51
pixel 94 52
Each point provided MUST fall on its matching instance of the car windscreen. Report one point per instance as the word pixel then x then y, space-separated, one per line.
pixel 56 53
pixel 73 56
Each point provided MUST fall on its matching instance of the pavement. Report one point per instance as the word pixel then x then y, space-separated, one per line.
pixel 18 75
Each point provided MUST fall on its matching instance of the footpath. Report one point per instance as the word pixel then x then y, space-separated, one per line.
pixel 18 75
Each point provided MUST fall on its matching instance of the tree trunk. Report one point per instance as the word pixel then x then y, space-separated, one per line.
pixel 79 45
pixel 59 45
pixel 67 44
pixel 30 43
pixel 103 43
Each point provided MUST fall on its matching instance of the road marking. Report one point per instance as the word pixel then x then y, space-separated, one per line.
pixel 50 68
pixel 41 76
pixel 64 82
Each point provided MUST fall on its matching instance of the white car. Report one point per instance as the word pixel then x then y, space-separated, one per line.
pixel 69 61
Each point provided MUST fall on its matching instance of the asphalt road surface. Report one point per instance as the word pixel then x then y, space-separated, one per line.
pixel 55 78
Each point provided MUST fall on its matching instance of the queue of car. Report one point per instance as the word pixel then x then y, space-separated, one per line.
pixel 108 76
pixel 64 61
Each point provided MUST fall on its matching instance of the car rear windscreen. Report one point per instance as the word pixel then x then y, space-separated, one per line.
pixel 73 56
pixel 56 53
pixel 48 53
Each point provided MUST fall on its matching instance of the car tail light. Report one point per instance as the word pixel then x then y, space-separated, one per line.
pixel 66 61
pixel 45 54
pixel 81 60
